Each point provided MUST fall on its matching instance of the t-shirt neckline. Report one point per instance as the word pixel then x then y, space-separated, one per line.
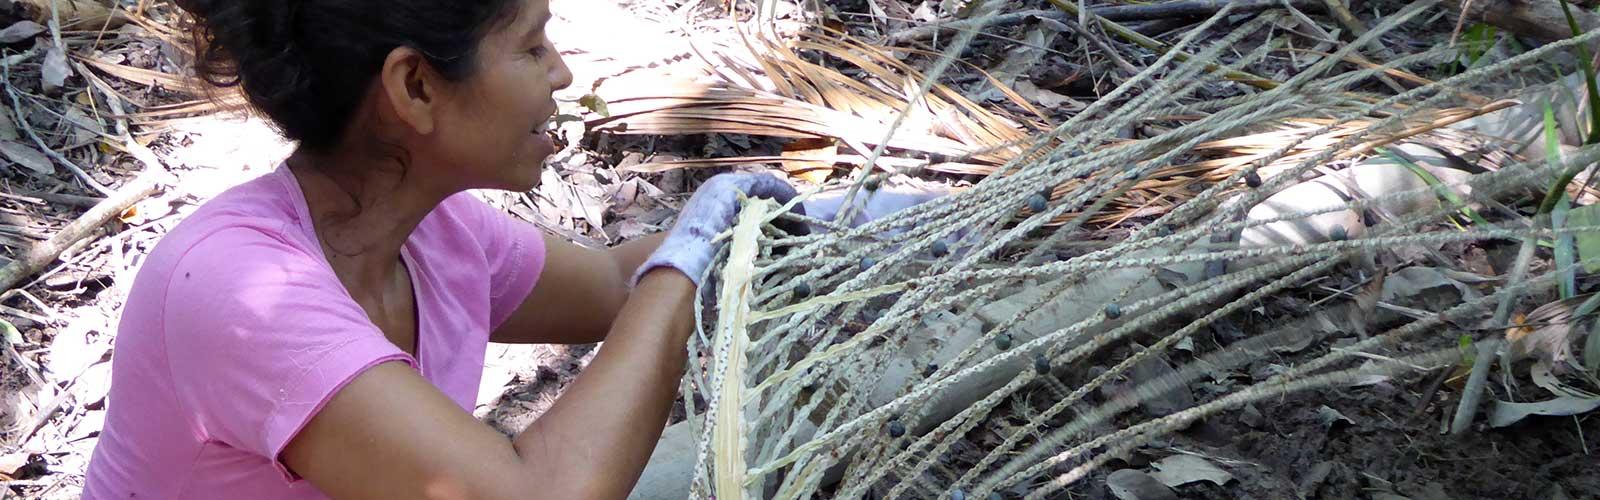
pixel 302 219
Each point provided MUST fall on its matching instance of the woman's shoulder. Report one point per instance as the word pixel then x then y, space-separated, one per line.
pixel 248 228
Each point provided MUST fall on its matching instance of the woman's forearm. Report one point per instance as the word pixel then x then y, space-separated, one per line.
pixel 599 435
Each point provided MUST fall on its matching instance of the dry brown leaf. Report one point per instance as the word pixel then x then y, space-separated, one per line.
pixel 812 171
pixel 1548 331
pixel 143 76
pixel 1521 329
pixel 10 463
pixel 129 215
pixel 82 14
pixel 1045 98
pixel 1367 302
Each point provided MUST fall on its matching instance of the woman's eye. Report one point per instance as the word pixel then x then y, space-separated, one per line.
pixel 538 51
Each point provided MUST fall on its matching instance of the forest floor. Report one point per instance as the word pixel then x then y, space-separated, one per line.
pixel 105 94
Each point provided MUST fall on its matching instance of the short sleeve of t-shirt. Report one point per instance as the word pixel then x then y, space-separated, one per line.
pixel 259 335
pixel 515 251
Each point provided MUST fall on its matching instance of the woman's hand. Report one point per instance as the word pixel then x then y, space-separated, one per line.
pixel 688 247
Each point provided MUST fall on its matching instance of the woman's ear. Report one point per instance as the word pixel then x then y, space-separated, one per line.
pixel 410 88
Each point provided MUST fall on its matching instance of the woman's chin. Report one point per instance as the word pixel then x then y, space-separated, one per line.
pixel 529 179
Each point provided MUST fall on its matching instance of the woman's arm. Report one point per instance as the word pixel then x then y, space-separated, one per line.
pixel 579 293
pixel 391 434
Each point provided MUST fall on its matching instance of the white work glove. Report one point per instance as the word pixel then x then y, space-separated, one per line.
pixel 688 247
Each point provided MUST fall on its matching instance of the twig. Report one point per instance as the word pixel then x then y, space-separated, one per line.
pixel 62 198
pixel 1156 45
pixel 18 313
pixel 16 111
pixel 43 254
pixel 1146 12
pixel 1101 43
pixel 1473 393
pixel 1357 29
pixel 49 409
pixel 27 366
pixel 50 312
pixel 55 26
pixel 1429 391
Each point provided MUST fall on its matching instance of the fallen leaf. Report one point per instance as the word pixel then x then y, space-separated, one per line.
pixel 595 104
pixel 630 229
pixel 1415 280
pixel 1544 375
pixel 1521 328
pixel 20 31
pixel 1178 470
pixel 9 333
pixel 1129 484
pixel 55 70
pixel 1044 98
pixel 806 163
pixel 87 128
pixel 8 129
pixel 1367 302
pixel 1507 413
pixel 28 157
pixel 1155 370
pixel 1370 378
pixel 1548 331
pixel 1170 279
pixel 1022 57
pixel 93 384
pixel 92 422
pixel 10 463
pixel 1331 417
pixel 83 13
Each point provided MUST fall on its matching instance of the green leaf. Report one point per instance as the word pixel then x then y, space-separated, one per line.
pixel 1476 41
pixel 1588 241
pixel 1565 254
pixel 1469 354
pixel 596 104
pixel 9 333
pixel 1552 145
pixel 1564 251
pixel 1587 65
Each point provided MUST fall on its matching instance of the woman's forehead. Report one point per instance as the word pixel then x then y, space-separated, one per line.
pixel 531 16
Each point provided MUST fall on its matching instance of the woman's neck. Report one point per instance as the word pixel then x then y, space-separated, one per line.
pixel 363 210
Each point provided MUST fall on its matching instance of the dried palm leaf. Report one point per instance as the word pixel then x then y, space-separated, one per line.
pixel 809 101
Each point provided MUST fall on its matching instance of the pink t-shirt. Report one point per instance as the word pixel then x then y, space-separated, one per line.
pixel 237 331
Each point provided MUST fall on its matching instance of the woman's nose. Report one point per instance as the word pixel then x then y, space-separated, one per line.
pixel 560 74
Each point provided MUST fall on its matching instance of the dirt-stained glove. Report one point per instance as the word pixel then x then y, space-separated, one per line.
pixel 688 247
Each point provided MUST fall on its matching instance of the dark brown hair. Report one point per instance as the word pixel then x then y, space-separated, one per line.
pixel 306 64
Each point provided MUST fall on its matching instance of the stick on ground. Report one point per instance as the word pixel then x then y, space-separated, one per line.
pixel 41 255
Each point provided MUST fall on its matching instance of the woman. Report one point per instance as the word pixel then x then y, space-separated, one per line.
pixel 320 332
